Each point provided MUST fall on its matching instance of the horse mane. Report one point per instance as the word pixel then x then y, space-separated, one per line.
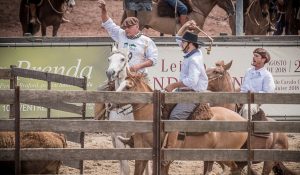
pixel 139 78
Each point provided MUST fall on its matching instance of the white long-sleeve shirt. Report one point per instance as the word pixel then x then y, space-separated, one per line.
pixel 193 74
pixel 258 81
pixel 140 49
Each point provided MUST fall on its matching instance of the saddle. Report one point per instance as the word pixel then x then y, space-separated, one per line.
pixel 201 112
pixel 165 10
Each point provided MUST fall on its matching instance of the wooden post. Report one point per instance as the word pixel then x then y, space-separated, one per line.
pixel 48 109
pixel 13 83
pixel 239 18
pixel 17 131
pixel 156 132
pixel 84 87
pixel 249 128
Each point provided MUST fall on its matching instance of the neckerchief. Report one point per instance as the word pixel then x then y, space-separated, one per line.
pixel 135 36
pixel 190 53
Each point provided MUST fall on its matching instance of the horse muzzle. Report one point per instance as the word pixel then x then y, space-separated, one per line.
pixel 111 75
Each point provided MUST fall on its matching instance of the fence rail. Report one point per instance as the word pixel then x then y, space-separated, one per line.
pixel 34 96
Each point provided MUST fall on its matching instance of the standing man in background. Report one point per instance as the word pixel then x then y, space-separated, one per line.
pixel 257 79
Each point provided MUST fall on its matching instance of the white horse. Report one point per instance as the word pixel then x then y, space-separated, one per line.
pixel 117 72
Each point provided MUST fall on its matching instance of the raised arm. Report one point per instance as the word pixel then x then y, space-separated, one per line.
pixel 104 15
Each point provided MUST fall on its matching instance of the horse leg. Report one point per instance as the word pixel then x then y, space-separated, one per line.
pixel 268 165
pixel 164 168
pixel 140 166
pixel 117 143
pixel 148 169
pixel 208 167
pixel 55 29
pixel 44 27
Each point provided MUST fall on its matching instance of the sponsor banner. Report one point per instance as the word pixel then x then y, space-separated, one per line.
pixel 91 61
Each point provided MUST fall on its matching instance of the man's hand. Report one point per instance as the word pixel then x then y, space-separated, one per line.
pixel 133 69
pixel 102 4
pixel 189 25
pixel 169 88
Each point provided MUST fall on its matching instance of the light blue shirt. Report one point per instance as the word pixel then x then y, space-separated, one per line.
pixel 140 49
pixel 258 81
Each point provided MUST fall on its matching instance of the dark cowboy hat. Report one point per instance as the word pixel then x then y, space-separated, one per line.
pixel 191 38
pixel 130 21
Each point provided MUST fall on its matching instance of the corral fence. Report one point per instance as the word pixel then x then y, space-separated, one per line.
pixel 157 154
pixel 12 75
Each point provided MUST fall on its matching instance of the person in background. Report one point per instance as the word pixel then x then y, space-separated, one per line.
pixel 257 79
pixel 181 9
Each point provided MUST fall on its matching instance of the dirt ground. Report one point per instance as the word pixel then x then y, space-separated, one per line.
pixel 94 140
pixel 85 20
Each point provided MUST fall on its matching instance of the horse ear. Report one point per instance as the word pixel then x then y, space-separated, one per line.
pixel 228 65
pixel 114 47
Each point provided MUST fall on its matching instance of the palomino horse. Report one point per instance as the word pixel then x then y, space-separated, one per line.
pixel 117 72
pixel 49 13
pixel 167 25
pixel 221 81
pixel 256 17
pixel 219 75
pixel 217 140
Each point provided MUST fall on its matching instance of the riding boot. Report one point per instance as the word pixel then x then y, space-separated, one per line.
pixel 33 19
pixel 183 19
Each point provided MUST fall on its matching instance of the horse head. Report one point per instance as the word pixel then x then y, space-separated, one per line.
pixel 218 76
pixel 117 64
pixel 134 82
pixel 227 5
pixel 264 5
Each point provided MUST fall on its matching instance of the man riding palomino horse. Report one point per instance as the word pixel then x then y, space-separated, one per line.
pixel 32 6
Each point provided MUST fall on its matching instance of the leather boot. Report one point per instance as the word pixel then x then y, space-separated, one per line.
pixel 33 19
pixel 183 19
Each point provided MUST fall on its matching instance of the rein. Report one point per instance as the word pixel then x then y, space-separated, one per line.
pixel 62 12
pixel 255 20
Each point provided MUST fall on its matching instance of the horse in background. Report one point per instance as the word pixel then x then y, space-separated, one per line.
pixel 221 81
pixel 168 25
pixel 49 13
pixel 117 72
pixel 257 19
pixel 287 17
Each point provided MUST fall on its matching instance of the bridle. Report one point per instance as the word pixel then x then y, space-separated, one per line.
pixel 55 10
pixel 123 66
pixel 221 75
pixel 254 21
